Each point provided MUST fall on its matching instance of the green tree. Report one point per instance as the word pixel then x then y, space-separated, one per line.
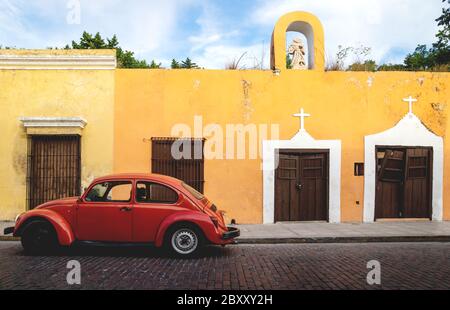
pixel 392 67
pixel 438 56
pixel 420 59
pixel 441 49
pixel 88 41
pixel 367 65
pixel 154 65
pixel 125 59
pixel 188 64
pixel 175 64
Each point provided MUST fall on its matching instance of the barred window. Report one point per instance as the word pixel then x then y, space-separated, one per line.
pixel 189 169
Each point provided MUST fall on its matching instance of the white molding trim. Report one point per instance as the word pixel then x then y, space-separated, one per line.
pixel 302 140
pixel 39 122
pixel 58 62
pixel 409 131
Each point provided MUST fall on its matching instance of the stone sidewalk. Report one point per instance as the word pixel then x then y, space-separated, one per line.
pixel 333 233
pixel 345 232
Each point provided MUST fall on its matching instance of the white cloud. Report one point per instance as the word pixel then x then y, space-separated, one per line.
pixel 212 29
pixel 141 26
pixel 379 24
pixel 216 44
pixel 10 22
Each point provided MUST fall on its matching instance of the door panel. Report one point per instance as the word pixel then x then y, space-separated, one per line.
pixel 105 214
pixel 416 192
pixel 313 191
pixel 390 178
pixel 104 222
pixel 388 201
pixel 286 194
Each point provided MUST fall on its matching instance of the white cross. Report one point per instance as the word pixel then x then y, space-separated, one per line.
pixel 410 100
pixel 302 116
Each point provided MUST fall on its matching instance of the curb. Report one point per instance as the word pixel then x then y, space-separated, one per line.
pixel 344 239
pixel 9 238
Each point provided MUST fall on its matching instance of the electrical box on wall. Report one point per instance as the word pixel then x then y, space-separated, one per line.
pixel 359 169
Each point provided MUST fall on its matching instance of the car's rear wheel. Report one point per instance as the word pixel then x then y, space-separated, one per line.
pixel 39 237
pixel 184 240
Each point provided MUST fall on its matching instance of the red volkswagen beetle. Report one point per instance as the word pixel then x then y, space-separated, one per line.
pixel 127 208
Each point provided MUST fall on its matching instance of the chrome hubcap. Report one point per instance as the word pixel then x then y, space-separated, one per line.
pixel 184 241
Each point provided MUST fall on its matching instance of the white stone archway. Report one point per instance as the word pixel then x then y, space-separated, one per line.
pixel 302 140
pixel 409 131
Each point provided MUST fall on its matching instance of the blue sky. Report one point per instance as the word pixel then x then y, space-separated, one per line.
pixel 214 32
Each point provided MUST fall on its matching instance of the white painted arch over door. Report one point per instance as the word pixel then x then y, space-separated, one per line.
pixel 302 140
pixel 409 132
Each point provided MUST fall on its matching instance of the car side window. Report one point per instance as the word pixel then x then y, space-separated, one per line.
pixel 115 191
pixel 149 192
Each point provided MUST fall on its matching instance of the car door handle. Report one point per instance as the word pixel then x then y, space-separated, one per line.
pixel 125 209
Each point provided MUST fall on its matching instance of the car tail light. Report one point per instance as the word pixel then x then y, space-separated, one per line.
pixel 215 221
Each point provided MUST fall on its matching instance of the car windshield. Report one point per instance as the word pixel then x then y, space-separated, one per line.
pixel 193 191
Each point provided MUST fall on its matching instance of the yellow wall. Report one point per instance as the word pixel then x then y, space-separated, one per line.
pixel 343 106
pixel 84 93
pixel 124 107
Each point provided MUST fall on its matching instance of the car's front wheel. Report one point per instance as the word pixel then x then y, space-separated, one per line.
pixel 184 240
pixel 39 237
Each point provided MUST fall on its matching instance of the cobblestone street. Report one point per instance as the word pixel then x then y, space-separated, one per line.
pixel 286 266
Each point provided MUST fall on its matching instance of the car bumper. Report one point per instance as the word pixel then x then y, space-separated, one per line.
pixel 8 230
pixel 232 233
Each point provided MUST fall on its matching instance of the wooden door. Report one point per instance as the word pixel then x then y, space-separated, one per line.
pixel 301 187
pixel 53 168
pixel 403 188
pixel 417 185
pixel 286 190
pixel 313 187
pixel 390 178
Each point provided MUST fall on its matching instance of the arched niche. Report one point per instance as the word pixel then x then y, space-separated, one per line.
pixel 292 36
pixel 306 24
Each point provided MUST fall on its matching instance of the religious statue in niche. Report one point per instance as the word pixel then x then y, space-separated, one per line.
pixel 297 50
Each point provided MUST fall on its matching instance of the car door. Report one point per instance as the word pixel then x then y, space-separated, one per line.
pixel 153 203
pixel 105 213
